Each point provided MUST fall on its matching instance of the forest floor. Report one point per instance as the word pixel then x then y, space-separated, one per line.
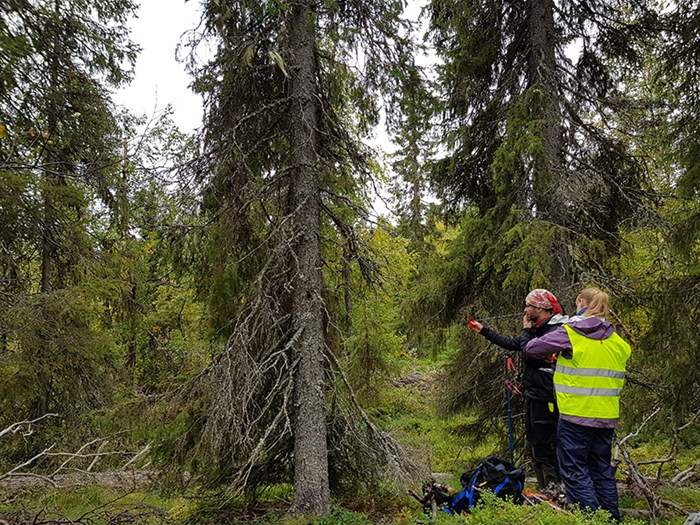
pixel 445 444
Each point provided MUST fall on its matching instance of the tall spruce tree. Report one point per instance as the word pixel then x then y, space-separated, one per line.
pixel 538 177
pixel 529 89
pixel 415 140
pixel 59 153
pixel 671 301
pixel 287 95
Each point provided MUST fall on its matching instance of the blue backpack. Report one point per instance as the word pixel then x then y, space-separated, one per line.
pixel 494 474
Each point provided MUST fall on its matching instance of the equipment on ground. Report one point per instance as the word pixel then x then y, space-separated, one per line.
pixel 496 475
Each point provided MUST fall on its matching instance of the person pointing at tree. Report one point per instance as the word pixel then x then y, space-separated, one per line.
pixel 541 315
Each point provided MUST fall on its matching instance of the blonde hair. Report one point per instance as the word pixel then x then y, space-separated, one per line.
pixel 596 300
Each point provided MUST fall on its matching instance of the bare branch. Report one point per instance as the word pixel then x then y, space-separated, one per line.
pixel 635 475
pixel 655 461
pixel 27 463
pixel 641 482
pixel 97 457
pixel 643 424
pixel 138 456
pixel 684 475
pixel 73 456
pixel 15 427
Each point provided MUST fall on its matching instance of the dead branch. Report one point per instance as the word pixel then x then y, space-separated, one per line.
pixel 18 472
pixel 691 421
pixel 74 455
pixel 378 446
pixel 26 463
pixel 639 430
pixel 685 474
pixel 659 462
pixel 640 482
pixel 94 461
pixel 16 427
pixel 136 457
pixel 646 484
pixel 674 506
pixel 245 427
pixel 655 461
pixel 635 475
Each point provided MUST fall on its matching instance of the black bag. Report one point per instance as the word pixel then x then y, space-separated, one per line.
pixel 496 475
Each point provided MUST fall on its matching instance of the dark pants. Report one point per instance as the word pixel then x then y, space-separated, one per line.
pixel 584 460
pixel 541 435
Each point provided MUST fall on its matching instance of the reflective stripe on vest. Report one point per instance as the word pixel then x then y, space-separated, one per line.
pixel 590 372
pixel 589 384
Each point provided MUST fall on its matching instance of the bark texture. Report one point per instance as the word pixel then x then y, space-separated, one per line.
pixel 550 193
pixel 542 65
pixel 311 484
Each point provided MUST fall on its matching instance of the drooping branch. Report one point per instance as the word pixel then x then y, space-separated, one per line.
pixel 245 424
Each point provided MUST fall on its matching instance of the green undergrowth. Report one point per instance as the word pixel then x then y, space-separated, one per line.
pixel 686 497
pixel 93 504
pixel 446 445
pixel 338 516
pixel 494 511
pixel 98 505
pixel 409 413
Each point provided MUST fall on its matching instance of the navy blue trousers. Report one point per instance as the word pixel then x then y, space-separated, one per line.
pixel 584 462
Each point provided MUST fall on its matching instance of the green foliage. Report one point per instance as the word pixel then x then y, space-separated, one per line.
pixel 57 354
pixel 118 283
pixel 483 269
pixel 411 413
pixel 340 516
pixel 98 505
pixel 60 155
pixel 492 510
pixel 374 347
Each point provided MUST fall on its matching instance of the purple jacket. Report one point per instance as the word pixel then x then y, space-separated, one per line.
pixel 557 342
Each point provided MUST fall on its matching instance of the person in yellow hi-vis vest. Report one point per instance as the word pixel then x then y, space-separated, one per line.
pixel 588 380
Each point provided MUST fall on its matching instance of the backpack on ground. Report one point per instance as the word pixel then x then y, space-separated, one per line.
pixel 494 474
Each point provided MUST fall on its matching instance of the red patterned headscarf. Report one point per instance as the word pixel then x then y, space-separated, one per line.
pixel 541 298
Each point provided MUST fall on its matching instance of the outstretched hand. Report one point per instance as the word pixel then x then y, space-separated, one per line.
pixel 474 325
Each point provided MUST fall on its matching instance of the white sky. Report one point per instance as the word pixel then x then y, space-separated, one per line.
pixel 158 79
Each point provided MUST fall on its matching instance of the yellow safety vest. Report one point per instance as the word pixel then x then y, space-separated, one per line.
pixel 589 384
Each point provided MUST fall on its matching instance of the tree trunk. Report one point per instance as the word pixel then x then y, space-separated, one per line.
pixel 542 68
pixel 50 235
pixel 311 484
pixel 549 193
pixel 49 238
pixel 347 287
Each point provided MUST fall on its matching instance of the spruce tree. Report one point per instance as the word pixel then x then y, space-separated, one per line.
pixel 288 94
pixel 538 179
pixel 59 154
pixel 528 93
pixel 669 302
